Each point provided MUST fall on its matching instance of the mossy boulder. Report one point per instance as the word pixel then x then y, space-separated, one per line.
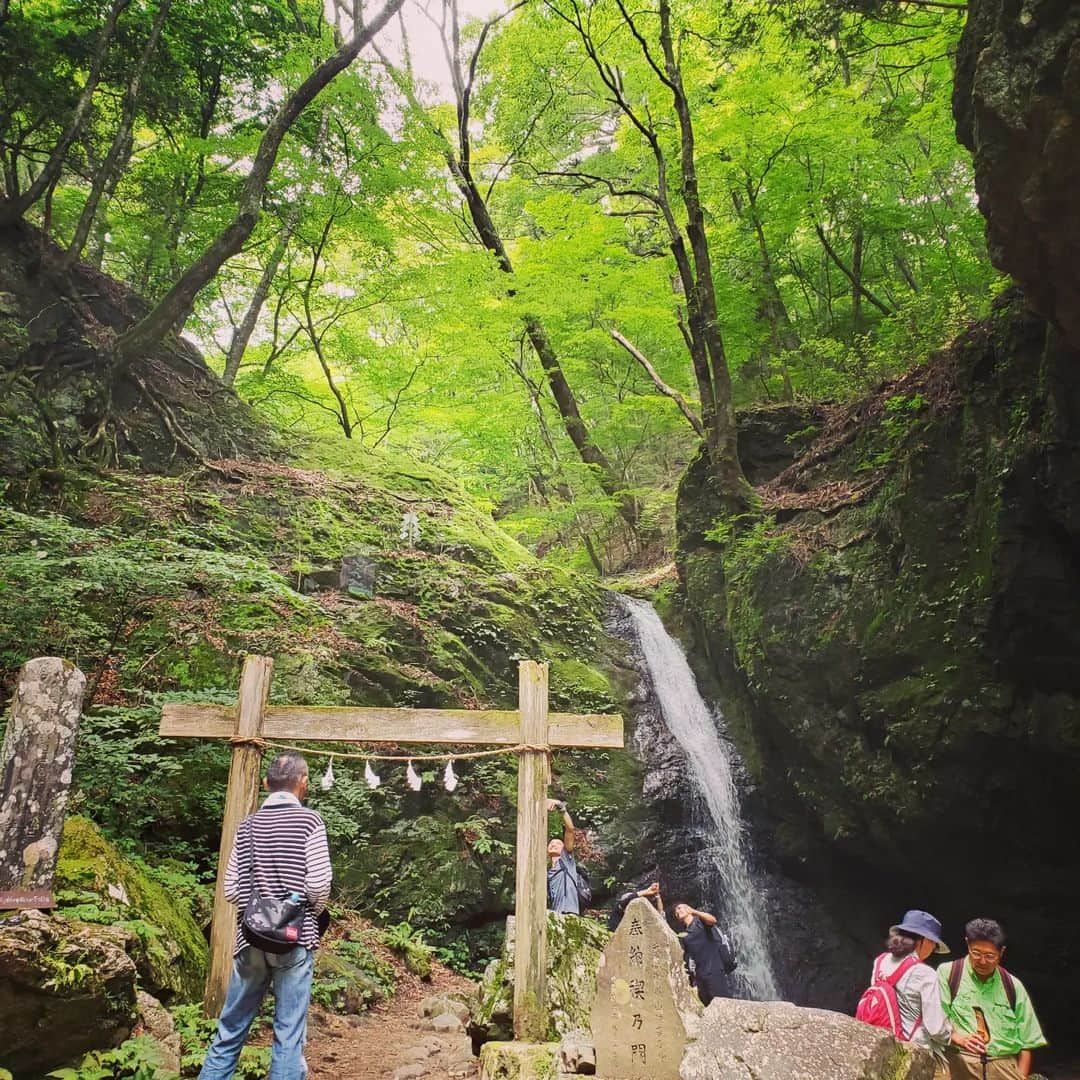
pixel 65 987
pixel 518 1061
pixel 349 978
pixel 94 879
pixel 574 946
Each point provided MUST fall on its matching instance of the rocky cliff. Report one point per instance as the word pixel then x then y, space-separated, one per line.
pixel 895 633
pixel 896 639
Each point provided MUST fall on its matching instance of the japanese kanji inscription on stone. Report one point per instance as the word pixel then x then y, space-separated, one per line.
pixel 645 1011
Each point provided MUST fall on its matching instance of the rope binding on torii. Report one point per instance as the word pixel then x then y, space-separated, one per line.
pixel 450 780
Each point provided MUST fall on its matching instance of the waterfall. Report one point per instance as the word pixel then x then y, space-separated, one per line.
pixel 693 724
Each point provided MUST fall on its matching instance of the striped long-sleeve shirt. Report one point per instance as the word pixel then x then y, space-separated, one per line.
pixel 290 856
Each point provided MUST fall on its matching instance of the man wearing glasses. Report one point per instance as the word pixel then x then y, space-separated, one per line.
pixel 995 1027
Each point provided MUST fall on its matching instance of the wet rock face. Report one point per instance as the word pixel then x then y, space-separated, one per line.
pixel 897 662
pixel 1017 108
pixel 813 952
pixel 771 437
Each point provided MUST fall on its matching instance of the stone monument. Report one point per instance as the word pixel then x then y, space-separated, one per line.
pixel 36 761
pixel 645 1012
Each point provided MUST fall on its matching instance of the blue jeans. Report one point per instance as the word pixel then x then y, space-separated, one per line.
pixel 253 972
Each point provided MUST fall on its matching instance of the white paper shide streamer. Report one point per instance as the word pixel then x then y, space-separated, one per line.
pixel 371 776
pixel 450 780
pixel 412 778
pixel 327 781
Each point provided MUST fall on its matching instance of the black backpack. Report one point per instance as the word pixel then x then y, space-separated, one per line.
pixel 584 886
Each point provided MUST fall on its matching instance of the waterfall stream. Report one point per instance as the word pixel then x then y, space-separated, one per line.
pixel 693 724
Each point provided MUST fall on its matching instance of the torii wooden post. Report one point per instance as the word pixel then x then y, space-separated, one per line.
pixel 531 725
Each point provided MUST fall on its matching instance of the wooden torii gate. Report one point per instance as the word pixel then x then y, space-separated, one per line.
pixel 530 727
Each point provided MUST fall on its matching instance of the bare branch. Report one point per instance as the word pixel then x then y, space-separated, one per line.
pixel 668 391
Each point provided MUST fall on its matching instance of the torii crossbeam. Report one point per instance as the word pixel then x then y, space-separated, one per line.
pixel 530 726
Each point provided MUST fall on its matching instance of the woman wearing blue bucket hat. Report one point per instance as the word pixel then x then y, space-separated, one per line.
pixel 904 996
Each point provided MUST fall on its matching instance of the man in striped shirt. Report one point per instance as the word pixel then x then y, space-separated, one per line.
pixel 280 850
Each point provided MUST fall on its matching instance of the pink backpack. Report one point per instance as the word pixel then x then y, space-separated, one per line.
pixel 878 1005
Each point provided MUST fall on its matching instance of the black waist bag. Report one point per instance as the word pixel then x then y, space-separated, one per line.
pixel 271 925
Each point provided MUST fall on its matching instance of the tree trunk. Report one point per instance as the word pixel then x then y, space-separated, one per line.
pixel 785 338
pixel 566 402
pixel 723 441
pixel 567 405
pixel 856 280
pixel 35 770
pixel 12 209
pixel 830 251
pixel 99 233
pixel 114 158
pixel 172 310
pixel 242 334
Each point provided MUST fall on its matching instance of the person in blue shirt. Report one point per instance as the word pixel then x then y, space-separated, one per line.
pixel 564 883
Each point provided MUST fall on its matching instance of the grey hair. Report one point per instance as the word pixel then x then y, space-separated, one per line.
pixel 286 771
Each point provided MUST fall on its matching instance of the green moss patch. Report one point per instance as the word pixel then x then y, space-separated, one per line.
pixel 95 883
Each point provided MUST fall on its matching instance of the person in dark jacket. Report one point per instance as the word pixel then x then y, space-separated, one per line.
pixel 622 901
pixel 708 952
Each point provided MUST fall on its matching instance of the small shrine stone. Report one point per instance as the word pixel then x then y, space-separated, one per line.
pixel 645 1012
pixel 359 576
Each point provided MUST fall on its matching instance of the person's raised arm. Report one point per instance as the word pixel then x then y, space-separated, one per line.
pixel 568 823
pixel 704 916
pixel 652 892
pixel 568 829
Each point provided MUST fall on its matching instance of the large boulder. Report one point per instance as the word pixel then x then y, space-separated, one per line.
pixel 1017 107
pixel 65 987
pixel 168 946
pixel 774 1040
pixel 574 947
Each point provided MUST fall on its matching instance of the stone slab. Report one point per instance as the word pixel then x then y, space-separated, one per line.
pixel 517 1061
pixel 645 1012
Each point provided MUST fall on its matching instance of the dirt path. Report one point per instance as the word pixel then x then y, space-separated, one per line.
pixel 391 1040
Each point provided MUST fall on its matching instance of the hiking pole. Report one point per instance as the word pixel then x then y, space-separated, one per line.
pixel 984 1034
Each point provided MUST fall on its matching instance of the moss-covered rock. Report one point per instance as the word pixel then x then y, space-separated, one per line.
pixel 574 947
pixel 65 987
pixel 94 881
pixel 349 978
pixel 518 1061
pixel 161 585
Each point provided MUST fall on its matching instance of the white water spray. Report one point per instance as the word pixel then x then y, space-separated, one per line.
pixel 693 725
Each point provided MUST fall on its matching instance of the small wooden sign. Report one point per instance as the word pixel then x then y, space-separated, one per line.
pixel 26 899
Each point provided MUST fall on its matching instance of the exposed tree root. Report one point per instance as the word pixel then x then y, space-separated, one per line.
pixel 169 419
